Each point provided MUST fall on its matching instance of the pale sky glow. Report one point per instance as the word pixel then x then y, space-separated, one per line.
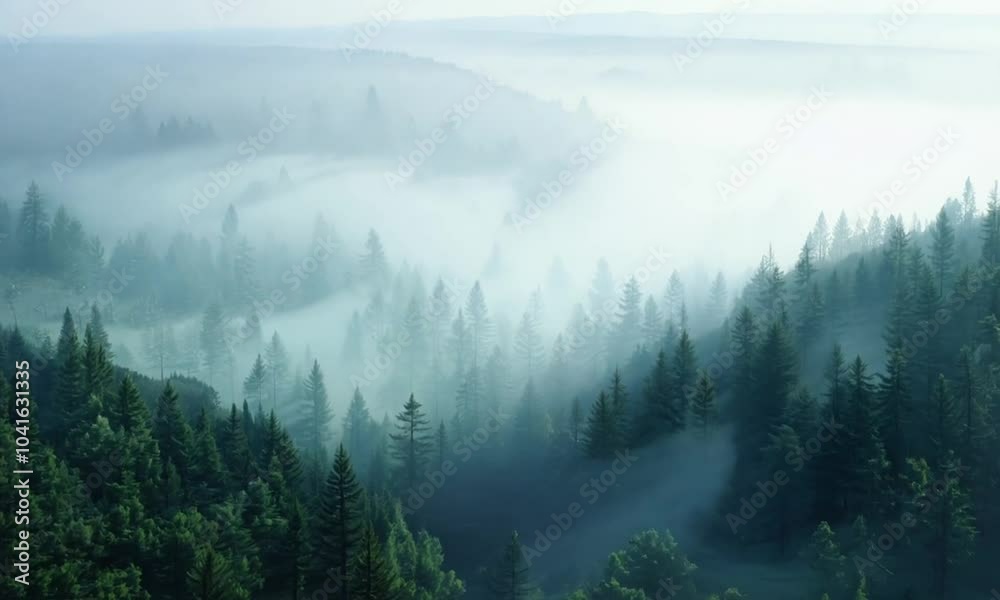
pixel 96 17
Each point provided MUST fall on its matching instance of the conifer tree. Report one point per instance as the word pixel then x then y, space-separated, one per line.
pixel 684 373
pixel 528 343
pixel 235 450
pixel 603 431
pixel 894 409
pixel 211 578
pixel 70 394
pixel 97 368
pixel 949 528
pixel 509 579
pixel 100 334
pixel 372 578
pixel 255 385
pixel 826 558
pixel 213 341
pixel 480 328
pixel 33 230
pixel 411 443
pixel 943 250
pixel 652 324
pixel 943 422
pixel 338 525
pixel 277 368
pixel 628 328
pixel 703 408
pixel 173 433
pixel 357 423
pixel 660 412
pixel 316 412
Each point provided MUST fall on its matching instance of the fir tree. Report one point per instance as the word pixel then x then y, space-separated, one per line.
pixel 703 408
pixel 316 412
pixel 338 525
pixel 235 450
pixel 255 385
pixel 411 443
pixel 372 578
pixel 173 433
pixel 603 431
pixel 509 579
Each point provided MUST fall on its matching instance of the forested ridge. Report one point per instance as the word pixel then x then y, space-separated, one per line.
pixel 854 390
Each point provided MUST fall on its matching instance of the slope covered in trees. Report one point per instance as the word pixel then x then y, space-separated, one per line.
pixel 854 393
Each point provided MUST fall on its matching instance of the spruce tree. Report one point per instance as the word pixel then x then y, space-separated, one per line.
pixel 255 385
pixel 603 431
pixel 411 443
pixel 372 577
pixel 943 250
pixel 338 523
pixel 357 423
pixel 703 408
pixel 684 373
pixel 316 412
pixel 235 450
pixel 211 578
pixel 509 579
pixel 173 433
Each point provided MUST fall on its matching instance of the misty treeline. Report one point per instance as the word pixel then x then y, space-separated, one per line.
pixel 858 388
pixel 376 104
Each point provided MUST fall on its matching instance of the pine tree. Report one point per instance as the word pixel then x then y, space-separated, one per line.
pixel 949 527
pixel 840 240
pixel 97 368
pixel 652 324
pixel 575 420
pixel 277 368
pixel 255 385
pixel 96 325
pixel 619 404
pixel 316 412
pixel 70 394
pixel 211 578
pixel 411 444
pixel 206 463
pixel 509 579
pixel 374 265
pixel 213 341
pixel 660 412
pixel 684 372
pixel 235 450
pixel 628 328
pixel 718 298
pixel 33 230
pixel 944 422
pixel 968 204
pixel 480 326
pixel 528 343
pixel 821 237
pixel 703 408
pixel 674 298
pixel 372 577
pixel 825 557
pixel 173 433
pixel 894 409
pixel 357 423
pixel 943 250
pixel 865 454
pixel 603 430
pixel 805 266
pixel 338 525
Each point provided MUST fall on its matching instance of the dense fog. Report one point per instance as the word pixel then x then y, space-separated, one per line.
pixel 507 215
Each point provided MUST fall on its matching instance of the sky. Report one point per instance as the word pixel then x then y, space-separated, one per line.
pixel 98 17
